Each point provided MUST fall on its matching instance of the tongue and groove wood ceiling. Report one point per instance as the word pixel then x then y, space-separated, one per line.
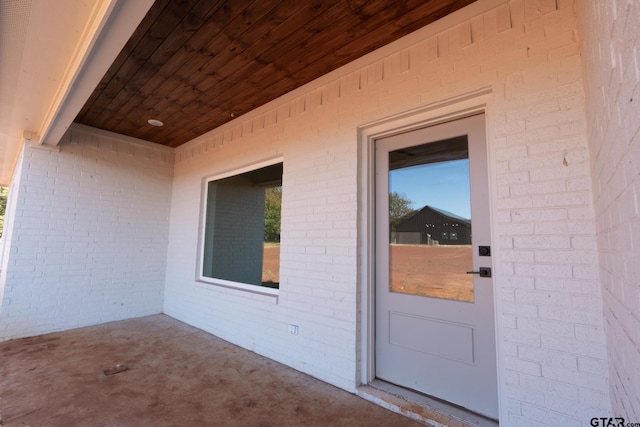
pixel 197 64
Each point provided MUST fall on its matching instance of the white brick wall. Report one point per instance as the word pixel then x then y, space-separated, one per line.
pixel 550 328
pixel 89 235
pixel 612 84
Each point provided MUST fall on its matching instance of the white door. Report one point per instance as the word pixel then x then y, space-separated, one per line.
pixel 435 328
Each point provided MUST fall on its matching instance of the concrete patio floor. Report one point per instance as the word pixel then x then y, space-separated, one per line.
pixel 177 375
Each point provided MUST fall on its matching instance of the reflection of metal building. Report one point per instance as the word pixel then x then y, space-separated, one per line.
pixel 432 226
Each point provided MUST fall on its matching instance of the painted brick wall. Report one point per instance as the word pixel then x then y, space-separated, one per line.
pixel 552 355
pixel 89 236
pixel 612 82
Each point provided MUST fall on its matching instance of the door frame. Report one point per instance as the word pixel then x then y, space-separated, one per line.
pixel 446 110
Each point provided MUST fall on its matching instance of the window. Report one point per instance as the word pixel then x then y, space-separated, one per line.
pixel 241 242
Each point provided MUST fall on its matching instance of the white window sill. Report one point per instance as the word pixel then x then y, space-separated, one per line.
pixel 253 289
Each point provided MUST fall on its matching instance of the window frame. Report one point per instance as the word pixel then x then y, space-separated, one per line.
pixel 200 277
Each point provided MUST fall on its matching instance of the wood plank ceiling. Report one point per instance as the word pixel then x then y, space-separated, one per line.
pixel 197 64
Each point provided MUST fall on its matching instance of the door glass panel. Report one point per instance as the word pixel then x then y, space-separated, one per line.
pixel 430 220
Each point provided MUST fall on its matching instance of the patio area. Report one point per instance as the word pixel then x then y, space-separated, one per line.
pixel 176 375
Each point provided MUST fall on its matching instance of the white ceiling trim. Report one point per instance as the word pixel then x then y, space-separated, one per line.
pixel 111 24
pixel 95 23
pixel 60 50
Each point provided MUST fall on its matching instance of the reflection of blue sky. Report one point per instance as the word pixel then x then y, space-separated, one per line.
pixel 443 185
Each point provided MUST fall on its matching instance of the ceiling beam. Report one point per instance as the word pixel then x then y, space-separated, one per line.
pixel 108 28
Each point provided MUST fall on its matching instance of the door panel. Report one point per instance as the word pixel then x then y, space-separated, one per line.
pixel 434 322
pixel 417 333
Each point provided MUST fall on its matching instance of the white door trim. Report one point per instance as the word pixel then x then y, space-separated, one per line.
pixel 442 111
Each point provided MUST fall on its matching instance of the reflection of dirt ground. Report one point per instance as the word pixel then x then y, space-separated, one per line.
pixel 271 264
pixel 435 271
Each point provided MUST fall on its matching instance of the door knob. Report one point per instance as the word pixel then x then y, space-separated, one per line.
pixel 483 272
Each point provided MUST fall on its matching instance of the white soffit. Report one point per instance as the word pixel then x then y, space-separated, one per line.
pixel 52 55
